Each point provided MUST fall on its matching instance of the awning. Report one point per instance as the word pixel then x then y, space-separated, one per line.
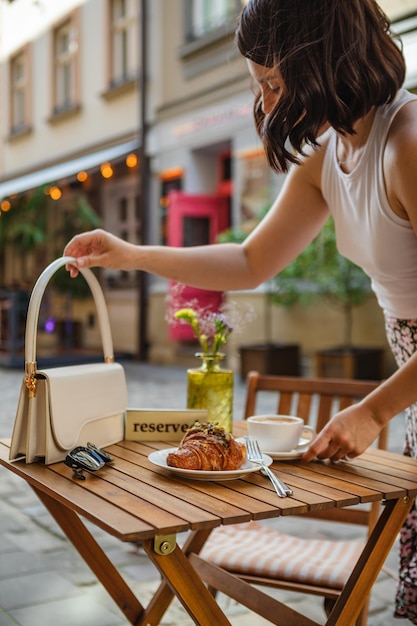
pixel 63 170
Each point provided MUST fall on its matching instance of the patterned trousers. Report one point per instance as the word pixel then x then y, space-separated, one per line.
pixel 402 337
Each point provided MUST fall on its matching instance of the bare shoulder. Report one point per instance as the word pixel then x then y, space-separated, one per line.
pixel 312 162
pixel 400 163
pixel 302 186
pixel 403 132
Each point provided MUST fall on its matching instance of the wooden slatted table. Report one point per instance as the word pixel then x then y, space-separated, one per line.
pixel 134 501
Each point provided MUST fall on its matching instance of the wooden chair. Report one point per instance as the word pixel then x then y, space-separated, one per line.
pixel 264 556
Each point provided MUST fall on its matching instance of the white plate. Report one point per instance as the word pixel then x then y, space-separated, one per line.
pixel 159 458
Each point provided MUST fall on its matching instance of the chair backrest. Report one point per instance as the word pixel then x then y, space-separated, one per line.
pixel 316 400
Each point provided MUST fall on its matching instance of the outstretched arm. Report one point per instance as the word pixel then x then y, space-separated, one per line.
pixel 292 222
pixel 200 266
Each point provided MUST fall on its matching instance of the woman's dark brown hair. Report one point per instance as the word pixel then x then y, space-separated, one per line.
pixel 337 59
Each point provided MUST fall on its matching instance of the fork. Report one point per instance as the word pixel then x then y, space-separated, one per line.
pixel 255 455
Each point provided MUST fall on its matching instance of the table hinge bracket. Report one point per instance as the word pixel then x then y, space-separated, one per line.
pixel 164 544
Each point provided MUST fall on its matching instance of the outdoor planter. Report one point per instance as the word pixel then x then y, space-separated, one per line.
pixel 270 358
pixel 342 362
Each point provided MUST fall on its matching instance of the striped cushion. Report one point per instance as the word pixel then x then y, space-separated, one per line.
pixel 256 549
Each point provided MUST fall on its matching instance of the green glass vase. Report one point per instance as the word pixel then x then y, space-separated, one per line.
pixel 211 387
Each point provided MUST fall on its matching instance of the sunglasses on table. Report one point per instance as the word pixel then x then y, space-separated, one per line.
pixel 89 458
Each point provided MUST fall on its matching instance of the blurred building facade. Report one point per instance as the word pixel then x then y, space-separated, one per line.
pixel 75 81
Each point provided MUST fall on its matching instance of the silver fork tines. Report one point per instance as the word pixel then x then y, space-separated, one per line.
pixel 255 455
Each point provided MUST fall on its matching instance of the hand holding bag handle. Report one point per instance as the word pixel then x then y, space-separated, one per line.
pixel 62 407
pixel 34 309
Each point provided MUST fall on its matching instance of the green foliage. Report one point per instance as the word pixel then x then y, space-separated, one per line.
pixel 318 272
pixel 232 235
pixel 289 286
pixel 78 219
pixel 336 278
pixel 26 228
pixel 25 224
pixel 74 221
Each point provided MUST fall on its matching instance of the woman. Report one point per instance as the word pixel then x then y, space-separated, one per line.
pixel 331 111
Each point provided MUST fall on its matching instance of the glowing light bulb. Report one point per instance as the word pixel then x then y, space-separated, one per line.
pixel 82 176
pixel 106 170
pixel 131 160
pixel 55 193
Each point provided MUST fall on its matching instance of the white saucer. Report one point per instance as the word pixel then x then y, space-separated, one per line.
pixel 158 457
pixel 290 455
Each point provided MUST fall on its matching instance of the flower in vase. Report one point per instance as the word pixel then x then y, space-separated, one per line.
pixel 211 329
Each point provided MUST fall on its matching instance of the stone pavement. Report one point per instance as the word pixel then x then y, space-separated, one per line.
pixel 43 581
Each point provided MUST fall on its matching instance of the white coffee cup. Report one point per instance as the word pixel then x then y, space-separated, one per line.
pixel 278 433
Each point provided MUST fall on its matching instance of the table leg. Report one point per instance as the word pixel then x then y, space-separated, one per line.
pixel 187 585
pixel 164 595
pixel 94 556
pixel 350 602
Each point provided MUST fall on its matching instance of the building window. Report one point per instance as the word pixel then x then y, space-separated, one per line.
pixel 208 35
pixel 19 91
pixel 204 16
pixel 123 42
pixel 65 60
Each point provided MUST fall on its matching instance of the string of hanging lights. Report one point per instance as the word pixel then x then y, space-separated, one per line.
pixel 56 191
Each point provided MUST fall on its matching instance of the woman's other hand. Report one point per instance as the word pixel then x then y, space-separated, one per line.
pixel 348 434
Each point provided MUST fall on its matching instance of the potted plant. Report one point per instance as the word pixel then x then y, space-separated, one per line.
pixel 345 286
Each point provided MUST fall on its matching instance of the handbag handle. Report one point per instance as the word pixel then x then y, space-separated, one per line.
pixel 35 304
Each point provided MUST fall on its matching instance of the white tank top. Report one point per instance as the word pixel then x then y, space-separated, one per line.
pixel 368 232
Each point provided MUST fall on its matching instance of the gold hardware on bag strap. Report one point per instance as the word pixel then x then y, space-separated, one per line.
pixel 109 359
pixel 31 381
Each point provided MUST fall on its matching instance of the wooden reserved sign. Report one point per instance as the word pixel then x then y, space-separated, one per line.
pixel 161 424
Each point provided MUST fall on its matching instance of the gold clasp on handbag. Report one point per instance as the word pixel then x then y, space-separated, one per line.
pixel 31 380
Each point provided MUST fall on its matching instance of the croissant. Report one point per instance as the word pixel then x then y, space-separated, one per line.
pixel 208 447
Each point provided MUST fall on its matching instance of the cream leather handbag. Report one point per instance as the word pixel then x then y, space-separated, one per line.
pixel 63 407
